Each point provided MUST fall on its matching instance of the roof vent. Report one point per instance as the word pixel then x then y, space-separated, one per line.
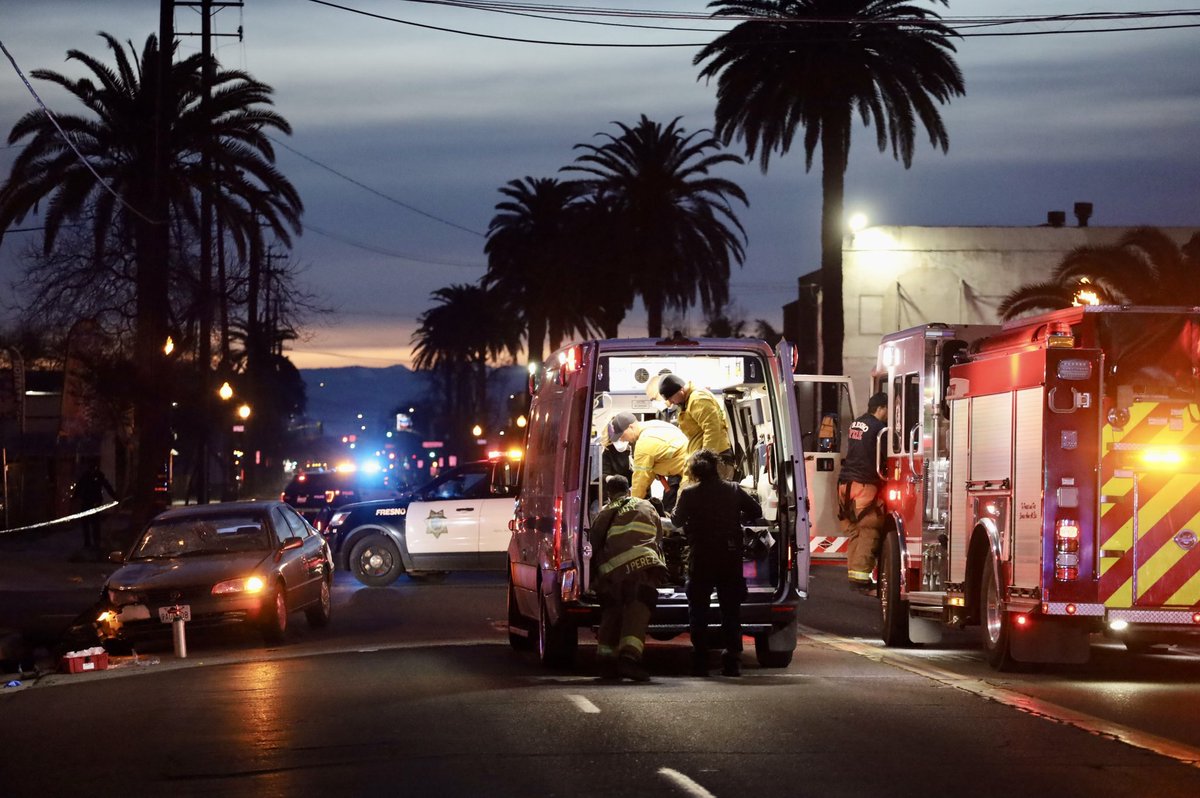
pixel 1083 212
pixel 1056 218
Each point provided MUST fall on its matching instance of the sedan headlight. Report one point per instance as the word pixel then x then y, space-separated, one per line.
pixel 249 584
pixel 338 518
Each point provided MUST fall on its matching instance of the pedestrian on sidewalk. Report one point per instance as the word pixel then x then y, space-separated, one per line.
pixel 89 492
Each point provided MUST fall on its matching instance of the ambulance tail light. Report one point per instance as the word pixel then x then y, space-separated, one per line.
pixel 558 531
pixel 1066 550
pixel 569 590
pixel 569 361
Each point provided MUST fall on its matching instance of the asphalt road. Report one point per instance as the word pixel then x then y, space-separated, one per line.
pixel 413 690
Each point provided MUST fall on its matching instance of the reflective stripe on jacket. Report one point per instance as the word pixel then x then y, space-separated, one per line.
pixel 625 540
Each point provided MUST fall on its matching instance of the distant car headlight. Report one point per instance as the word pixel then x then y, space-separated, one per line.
pixel 339 518
pixel 249 584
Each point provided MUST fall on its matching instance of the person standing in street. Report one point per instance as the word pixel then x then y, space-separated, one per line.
pixel 701 418
pixel 89 493
pixel 710 511
pixel 860 513
pixel 626 540
pixel 659 451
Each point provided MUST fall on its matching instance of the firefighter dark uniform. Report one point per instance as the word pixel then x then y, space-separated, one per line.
pixel 860 511
pixel 710 512
pixel 626 551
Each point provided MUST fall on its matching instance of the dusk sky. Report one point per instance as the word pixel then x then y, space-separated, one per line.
pixel 439 121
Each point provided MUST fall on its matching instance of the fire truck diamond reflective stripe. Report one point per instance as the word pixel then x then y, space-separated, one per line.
pixel 1167 502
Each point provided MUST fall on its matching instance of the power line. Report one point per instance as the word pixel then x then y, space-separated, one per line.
pixel 542 12
pixel 376 192
pixel 388 252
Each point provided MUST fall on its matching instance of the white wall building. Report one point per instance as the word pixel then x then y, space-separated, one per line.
pixel 899 277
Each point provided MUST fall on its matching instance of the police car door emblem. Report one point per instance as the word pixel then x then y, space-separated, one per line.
pixel 1186 540
pixel 436 523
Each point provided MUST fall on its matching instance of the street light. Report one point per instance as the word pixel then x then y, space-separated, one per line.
pixel 244 412
pixel 476 430
pixel 225 391
pixel 857 222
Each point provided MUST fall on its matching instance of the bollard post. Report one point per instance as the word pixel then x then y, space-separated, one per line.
pixel 179 638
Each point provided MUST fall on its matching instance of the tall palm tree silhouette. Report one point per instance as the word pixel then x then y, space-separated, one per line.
pixel 117 145
pixel 813 64
pixel 675 224
pixel 1144 267
pixel 455 339
pixel 534 259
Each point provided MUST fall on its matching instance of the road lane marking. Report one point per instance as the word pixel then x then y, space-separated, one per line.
pixel 582 702
pixel 1037 707
pixel 686 783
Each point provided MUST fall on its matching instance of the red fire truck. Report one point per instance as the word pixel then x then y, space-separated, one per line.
pixel 1043 481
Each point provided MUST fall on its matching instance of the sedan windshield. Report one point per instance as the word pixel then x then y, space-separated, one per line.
pixel 190 536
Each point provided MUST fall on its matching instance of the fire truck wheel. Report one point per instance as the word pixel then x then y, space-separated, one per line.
pixel 516 621
pixel 994 619
pixel 556 642
pixel 893 613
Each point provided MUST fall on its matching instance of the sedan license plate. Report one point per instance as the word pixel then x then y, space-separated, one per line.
pixel 180 612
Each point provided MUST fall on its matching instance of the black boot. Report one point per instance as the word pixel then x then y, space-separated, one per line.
pixel 631 669
pixel 731 665
pixel 700 663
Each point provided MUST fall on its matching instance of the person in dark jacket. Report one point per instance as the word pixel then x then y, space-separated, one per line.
pixel 710 512
pixel 89 493
pixel 626 552
pixel 860 513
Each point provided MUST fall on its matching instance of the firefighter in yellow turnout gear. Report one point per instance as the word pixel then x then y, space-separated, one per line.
pixel 860 512
pixel 627 556
pixel 701 418
pixel 659 450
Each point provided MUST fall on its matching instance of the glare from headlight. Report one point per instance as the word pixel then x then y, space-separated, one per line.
pixel 338 518
pixel 249 584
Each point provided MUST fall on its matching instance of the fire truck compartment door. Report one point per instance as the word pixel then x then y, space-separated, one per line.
pixel 792 459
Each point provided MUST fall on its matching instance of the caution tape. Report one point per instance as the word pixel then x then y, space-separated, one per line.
pixel 65 519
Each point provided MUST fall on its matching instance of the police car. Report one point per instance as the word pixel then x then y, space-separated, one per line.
pixel 456 522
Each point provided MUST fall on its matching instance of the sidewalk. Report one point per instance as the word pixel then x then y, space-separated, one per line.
pixel 50 560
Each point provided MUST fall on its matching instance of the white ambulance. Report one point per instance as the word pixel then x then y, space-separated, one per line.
pixel 550 595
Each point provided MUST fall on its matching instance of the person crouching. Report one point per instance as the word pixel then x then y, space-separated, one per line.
pixel 627 553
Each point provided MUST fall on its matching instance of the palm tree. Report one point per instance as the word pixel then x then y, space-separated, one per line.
pixel 533 259
pixel 454 341
pixel 813 64
pixel 676 228
pixel 1144 267
pixel 117 145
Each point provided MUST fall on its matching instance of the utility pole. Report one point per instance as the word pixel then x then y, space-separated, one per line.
pixel 207 186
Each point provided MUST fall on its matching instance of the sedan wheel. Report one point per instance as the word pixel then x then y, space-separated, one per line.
pixel 318 616
pixel 274 624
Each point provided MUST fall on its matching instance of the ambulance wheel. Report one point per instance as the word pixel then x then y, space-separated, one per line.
pixel 768 658
pixel 994 619
pixel 516 621
pixel 556 642
pixel 375 561
pixel 893 613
